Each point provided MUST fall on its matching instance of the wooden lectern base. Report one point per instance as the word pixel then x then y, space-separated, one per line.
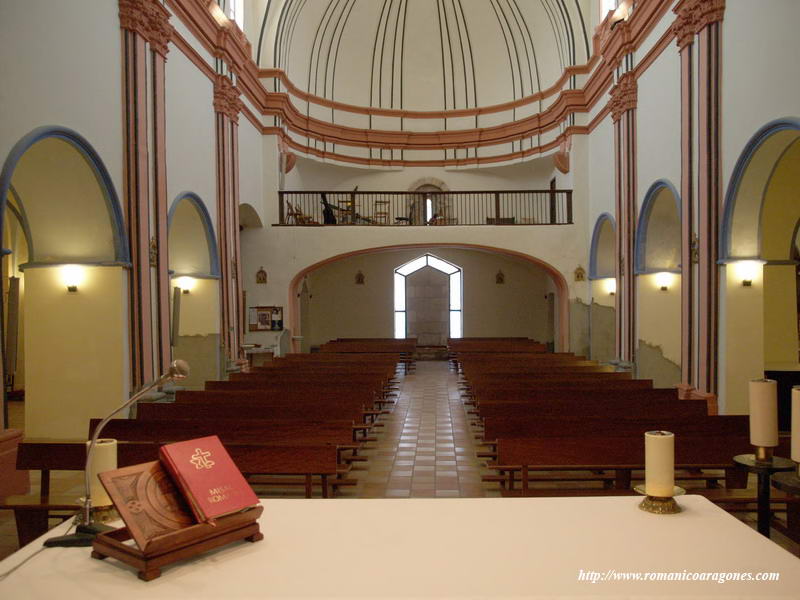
pixel 177 545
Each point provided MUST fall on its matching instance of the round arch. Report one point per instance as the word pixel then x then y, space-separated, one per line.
pixel 208 228
pixel 598 269
pixel 562 290
pixel 87 151
pixel 664 253
pixel 740 228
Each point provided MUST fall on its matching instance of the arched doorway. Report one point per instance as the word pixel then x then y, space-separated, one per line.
pixel 602 313
pixel 194 269
pixel 657 269
pixel 66 254
pixel 758 296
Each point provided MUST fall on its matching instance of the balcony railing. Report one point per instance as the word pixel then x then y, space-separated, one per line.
pixel 522 207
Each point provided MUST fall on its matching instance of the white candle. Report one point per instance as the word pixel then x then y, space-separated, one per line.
pixel 659 461
pixel 104 458
pixel 796 423
pixel 764 413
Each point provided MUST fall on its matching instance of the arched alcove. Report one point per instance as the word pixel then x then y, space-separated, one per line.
pixel 758 299
pixel 658 234
pixel 602 273
pixel 194 268
pixel 248 217
pixel 658 289
pixel 62 218
pixel 553 281
pixel 601 252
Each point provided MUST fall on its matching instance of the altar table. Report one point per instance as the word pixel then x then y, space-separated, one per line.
pixel 439 548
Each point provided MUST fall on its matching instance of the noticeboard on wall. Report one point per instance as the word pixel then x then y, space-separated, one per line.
pixel 265 318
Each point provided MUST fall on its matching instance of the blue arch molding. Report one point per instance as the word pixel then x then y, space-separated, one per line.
pixel 22 218
pixel 640 249
pixel 121 248
pixel 752 146
pixel 211 239
pixel 595 240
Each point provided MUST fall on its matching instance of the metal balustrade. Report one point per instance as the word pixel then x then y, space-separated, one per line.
pixel 510 207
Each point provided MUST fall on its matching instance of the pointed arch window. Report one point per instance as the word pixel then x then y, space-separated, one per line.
pixel 455 293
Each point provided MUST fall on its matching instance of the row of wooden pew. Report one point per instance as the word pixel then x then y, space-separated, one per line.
pixel 559 424
pixel 300 422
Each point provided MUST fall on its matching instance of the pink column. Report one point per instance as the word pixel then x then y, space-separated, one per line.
pixel 159 44
pixel 137 188
pixel 623 112
pixel 227 106
pixel 709 198
pixel 685 37
pixel 146 22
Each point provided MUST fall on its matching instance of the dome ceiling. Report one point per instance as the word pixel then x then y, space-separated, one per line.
pixel 423 54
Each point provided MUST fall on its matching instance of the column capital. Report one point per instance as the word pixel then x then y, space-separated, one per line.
pixel 149 19
pixel 692 16
pixel 226 98
pixel 624 96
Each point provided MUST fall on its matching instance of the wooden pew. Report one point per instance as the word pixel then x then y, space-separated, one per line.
pixel 238 434
pixel 713 449
pixel 248 410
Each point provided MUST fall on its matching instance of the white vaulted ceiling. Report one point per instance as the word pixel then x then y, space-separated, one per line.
pixel 423 54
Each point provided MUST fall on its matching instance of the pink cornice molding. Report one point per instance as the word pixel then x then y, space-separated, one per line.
pixel 149 19
pixel 226 98
pixel 226 41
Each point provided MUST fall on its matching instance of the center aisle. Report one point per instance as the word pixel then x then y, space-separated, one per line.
pixel 426 448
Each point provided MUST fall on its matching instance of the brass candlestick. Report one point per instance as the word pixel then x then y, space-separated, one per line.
pixel 660 505
pixel 763 454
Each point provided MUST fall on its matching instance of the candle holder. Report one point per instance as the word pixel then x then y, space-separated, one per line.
pixel 763 454
pixel 660 505
pixel 763 469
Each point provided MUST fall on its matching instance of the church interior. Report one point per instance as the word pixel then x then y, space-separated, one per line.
pixel 496 241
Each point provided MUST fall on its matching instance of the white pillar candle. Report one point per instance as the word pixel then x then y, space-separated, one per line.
pixel 796 423
pixel 764 413
pixel 104 458
pixel 659 461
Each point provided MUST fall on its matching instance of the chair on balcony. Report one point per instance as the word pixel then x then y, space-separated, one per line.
pixel 380 211
pixel 296 215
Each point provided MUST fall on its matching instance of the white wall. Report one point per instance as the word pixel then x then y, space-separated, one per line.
pixel 760 47
pixel 340 308
pixel 191 139
pixel 658 119
pixel 251 168
pixel 45 85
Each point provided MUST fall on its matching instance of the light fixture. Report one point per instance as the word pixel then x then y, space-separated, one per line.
pixel 663 280
pixel 610 285
pixel 186 284
pixel 747 271
pixel 72 276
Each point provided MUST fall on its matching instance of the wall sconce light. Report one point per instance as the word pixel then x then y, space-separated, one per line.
pixel 610 284
pixel 186 284
pixel 72 276
pixel 747 271
pixel 663 281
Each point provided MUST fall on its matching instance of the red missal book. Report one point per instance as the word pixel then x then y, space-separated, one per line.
pixel 208 477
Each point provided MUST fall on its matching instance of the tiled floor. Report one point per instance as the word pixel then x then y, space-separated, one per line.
pixel 425 448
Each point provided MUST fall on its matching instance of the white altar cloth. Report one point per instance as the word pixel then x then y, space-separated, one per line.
pixel 438 548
